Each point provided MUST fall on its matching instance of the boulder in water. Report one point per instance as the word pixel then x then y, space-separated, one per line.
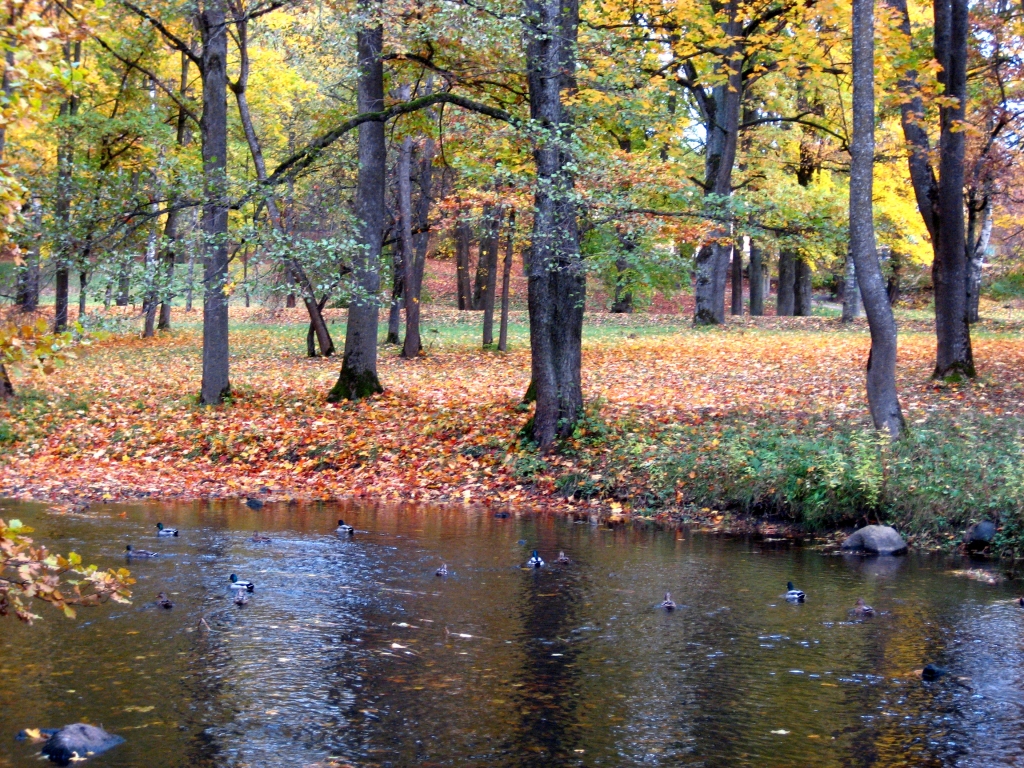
pixel 876 540
pixel 932 672
pixel 979 535
pixel 78 741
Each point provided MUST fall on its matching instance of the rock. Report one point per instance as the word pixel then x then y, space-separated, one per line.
pixel 876 540
pixel 979 535
pixel 78 741
pixel 932 672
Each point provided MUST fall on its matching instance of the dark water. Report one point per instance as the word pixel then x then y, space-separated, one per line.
pixel 354 652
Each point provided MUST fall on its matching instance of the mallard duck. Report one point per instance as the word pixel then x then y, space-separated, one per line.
pixel 241 597
pixel 254 503
pixel 863 609
pixel 793 594
pixel 257 539
pixel 442 571
pixel 344 529
pixel 129 552
pixel 535 561
pixel 562 558
pixel 163 601
pixel 161 531
pixel 668 603
pixel 237 584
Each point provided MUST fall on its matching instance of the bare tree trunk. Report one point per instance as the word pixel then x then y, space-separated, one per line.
pixel 977 243
pixel 463 233
pixel 736 261
pixel 756 280
pixel 404 172
pixel 191 279
pixel 215 384
pixel 557 279
pixel 851 292
pixel 397 294
pixel 83 282
pixel 421 241
pixel 506 278
pixel 622 301
pixel 358 377
pixel 785 303
pixel 881 370
pixel 802 288
pixel 171 234
pixel 28 278
pixel 6 387
pixel 62 207
pixel 489 246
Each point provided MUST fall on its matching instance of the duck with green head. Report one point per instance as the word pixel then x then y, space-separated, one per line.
pixel 238 585
pixel 161 531
pixel 793 594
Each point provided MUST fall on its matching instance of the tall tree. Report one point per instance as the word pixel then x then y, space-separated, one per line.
pixel 557 280
pixel 940 197
pixel 358 377
pixel 883 399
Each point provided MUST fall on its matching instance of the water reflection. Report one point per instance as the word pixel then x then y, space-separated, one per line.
pixel 354 652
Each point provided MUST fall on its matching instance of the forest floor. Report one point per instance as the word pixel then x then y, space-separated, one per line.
pixel 763 420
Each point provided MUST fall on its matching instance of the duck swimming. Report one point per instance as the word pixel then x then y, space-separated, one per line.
pixel 667 603
pixel 163 601
pixel 257 539
pixel 563 558
pixel 237 584
pixel 442 571
pixel 161 531
pixel 863 609
pixel 344 529
pixel 793 594
pixel 254 503
pixel 535 561
pixel 129 552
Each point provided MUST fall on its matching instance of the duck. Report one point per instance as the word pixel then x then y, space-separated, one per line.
pixel 161 531
pixel 163 601
pixel 668 604
pixel 793 594
pixel 257 539
pixel 237 584
pixel 252 503
pixel 129 552
pixel 241 597
pixel 502 515
pixel 932 672
pixel 535 561
pixel 442 571
pixel 562 558
pixel 344 529
pixel 1021 602
pixel 863 609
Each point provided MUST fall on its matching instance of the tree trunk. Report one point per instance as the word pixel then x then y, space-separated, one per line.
pixel 622 302
pixel 940 200
pixel 215 384
pixel 883 399
pixel 978 238
pixel 83 282
pixel 28 277
pixel 408 250
pixel 802 288
pixel 756 280
pixel 851 292
pixel 6 387
pixel 506 278
pixel 785 303
pixel 489 246
pixel 557 280
pixel 463 233
pixel 358 377
pixel 737 281
pixel 62 206
pixel 190 279
pixel 892 286
pixel 421 241
pixel 184 137
pixel 397 295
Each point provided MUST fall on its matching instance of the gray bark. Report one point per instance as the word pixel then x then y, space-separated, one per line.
pixel 62 207
pixel 215 384
pixel 397 294
pixel 463 233
pixel 851 292
pixel 979 234
pixel 413 344
pixel 557 280
pixel 802 288
pixel 785 302
pixel 358 377
pixel 756 280
pixel 489 246
pixel 737 281
pixel 506 277
pixel 883 399
pixel 28 277
pixel 405 236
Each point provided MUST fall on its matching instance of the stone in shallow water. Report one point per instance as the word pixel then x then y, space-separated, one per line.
pixel 876 540
pixel 979 535
pixel 78 740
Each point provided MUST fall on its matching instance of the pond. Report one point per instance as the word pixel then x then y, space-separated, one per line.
pixel 353 652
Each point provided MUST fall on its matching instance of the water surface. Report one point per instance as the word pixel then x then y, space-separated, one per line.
pixel 354 652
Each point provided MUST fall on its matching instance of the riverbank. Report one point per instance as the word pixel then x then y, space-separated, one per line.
pixel 763 420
